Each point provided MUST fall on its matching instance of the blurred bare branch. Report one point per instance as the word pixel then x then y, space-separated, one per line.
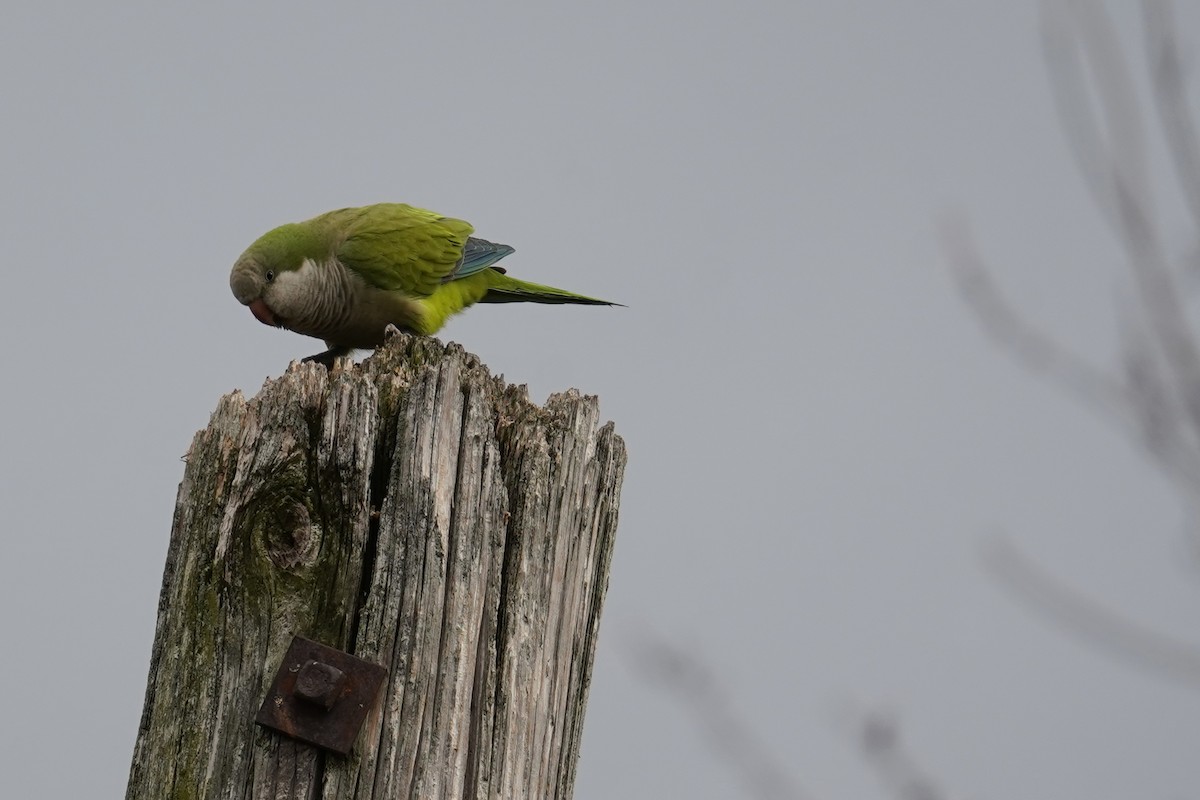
pixel 730 735
pixel 1170 98
pixel 1087 68
pixel 884 749
pixel 1154 393
pixel 1088 619
pixel 1140 402
pixel 1038 351
pixel 1159 423
pixel 1162 305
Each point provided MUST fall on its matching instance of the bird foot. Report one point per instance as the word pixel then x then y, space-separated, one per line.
pixel 327 358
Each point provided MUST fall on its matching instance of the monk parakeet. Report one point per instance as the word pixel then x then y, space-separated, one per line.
pixel 346 275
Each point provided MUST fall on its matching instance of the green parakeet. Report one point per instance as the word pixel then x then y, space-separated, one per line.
pixel 346 275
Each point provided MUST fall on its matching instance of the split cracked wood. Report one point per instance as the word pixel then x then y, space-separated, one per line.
pixel 419 513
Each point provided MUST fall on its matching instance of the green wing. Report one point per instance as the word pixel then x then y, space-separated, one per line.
pixel 399 247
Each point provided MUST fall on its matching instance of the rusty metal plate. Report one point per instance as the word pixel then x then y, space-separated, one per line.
pixel 321 695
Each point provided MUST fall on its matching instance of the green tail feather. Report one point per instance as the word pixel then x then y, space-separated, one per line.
pixel 503 289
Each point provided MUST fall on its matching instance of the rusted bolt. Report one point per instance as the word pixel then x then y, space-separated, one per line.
pixel 321 695
pixel 320 683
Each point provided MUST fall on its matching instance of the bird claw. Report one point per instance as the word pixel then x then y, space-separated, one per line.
pixel 324 359
pixel 328 358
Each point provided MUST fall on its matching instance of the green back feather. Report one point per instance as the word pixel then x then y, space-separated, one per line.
pixel 399 247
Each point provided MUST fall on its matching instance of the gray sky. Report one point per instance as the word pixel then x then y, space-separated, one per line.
pixel 821 439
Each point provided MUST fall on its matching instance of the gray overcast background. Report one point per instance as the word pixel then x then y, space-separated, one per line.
pixel 822 441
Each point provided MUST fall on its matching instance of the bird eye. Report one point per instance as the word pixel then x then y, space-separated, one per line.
pixel 270 275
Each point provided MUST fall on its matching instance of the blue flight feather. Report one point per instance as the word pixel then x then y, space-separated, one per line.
pixel 478 254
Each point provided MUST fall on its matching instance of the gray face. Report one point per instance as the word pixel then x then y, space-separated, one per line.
pixel 246 280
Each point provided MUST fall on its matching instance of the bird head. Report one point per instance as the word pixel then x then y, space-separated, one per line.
pixel 263 277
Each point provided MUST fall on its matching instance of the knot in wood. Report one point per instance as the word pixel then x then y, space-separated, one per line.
pixel 276 516
pixel 289 535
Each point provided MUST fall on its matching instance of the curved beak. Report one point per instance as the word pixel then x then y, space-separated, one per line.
pixel 261 313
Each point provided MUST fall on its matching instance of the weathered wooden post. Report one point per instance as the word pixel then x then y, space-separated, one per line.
pixel 413 511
